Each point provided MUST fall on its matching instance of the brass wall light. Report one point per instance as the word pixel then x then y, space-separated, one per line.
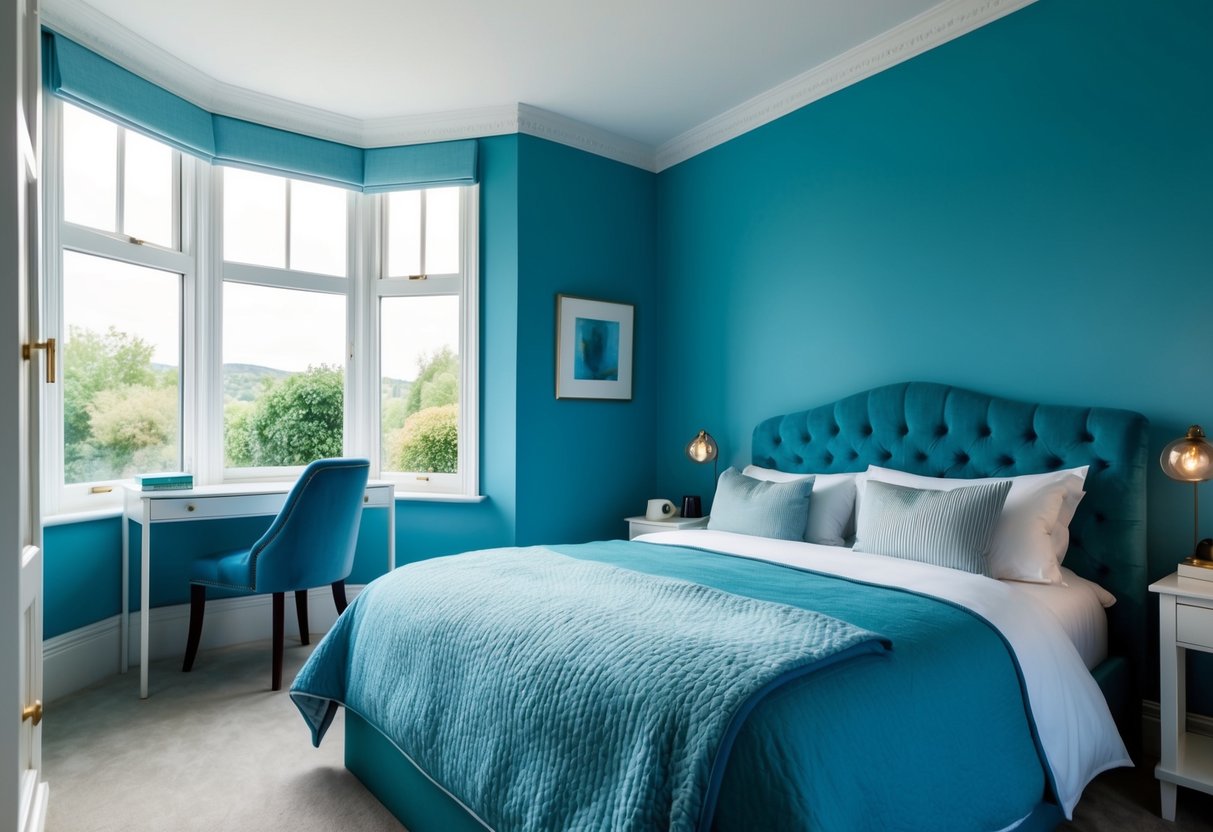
pixel 703 448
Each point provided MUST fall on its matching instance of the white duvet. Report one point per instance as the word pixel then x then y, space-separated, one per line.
pixel 1076 729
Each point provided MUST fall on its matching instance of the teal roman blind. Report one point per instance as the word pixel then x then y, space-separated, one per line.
pixel 83 77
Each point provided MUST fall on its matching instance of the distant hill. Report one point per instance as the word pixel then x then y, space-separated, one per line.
pixel 242 382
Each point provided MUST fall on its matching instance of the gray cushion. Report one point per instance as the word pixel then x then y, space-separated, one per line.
pixel 946 528
pixel 765 509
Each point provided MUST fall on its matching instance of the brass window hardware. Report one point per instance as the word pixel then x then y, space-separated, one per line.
pixel 101 489
pixel 27 351
pixel 419 277
pixel 423 479
pixel 32 712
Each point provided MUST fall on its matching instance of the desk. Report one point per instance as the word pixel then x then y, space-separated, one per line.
pixel 208 502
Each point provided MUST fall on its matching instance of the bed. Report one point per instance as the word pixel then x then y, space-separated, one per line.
pixel 924 702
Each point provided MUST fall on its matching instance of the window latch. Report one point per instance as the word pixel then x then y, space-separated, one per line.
pixel 27 351
pixel 419 277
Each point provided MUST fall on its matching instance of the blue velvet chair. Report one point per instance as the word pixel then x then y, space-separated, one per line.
pixel 309 544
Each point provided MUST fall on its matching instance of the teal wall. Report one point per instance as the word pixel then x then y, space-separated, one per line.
pixel 588 228
pixel 1025 211
pixel 552 220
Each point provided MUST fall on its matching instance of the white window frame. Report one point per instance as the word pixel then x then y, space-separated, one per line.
pixel 231 271
pixel 59 236
pixel 199 230
pixel 465 284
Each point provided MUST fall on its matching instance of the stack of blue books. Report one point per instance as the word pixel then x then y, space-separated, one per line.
pixel 169 481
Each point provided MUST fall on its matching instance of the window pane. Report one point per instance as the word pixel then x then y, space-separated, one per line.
pixel 90 169
pixel 442 231
pixel 419 361
pixel 254 218
pixel 403 233
pixel 121 369
pixel 283 375
pixel 148 195
pixel 318 228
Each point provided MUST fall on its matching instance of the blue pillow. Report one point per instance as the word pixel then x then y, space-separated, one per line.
pixel 764 509
pixel 947 528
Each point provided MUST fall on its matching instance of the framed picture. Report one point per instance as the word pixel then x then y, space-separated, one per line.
pixel 593 349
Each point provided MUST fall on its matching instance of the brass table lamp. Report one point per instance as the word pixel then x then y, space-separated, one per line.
pixel 1190 459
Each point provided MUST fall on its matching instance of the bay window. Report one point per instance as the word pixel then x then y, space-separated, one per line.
pixel 237 324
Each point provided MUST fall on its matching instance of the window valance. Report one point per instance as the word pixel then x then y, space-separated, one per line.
pixel 81 76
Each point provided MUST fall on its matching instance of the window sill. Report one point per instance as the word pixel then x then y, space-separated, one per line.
pixel 68 517
pixel 417 497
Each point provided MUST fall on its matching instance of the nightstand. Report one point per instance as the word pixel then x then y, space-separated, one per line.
pixel 1185 622
pixel 642 525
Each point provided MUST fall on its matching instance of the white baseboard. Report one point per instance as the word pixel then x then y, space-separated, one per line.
pixel 81 657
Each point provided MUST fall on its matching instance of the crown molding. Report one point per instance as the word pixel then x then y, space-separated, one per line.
pixel 934 27
pixel 105 36
pixel 554 127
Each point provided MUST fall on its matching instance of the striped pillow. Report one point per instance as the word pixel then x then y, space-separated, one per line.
pixel 946 528
pixel 764 509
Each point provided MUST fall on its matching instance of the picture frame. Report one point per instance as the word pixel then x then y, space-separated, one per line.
pixel 594 348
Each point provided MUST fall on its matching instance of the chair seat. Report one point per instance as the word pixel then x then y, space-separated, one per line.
pixel 227 570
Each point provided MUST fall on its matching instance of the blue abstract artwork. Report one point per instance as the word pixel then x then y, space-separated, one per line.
pixel 597 354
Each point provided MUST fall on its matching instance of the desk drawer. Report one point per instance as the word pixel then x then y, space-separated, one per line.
pixel 378 497
pixel 1194 625
pixel 200 508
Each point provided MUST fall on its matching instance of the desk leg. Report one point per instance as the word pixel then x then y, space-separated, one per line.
pixel 145 592
pixel 124 617
pixel 391 530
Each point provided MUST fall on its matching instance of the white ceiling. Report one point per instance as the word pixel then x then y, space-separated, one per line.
pixel 647 70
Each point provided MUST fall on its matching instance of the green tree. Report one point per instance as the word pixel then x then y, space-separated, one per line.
pixel 429 441
pixel 120 413
pixel 295 421
pixel 437 382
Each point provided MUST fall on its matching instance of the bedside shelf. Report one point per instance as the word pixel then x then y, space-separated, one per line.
pixel 641 525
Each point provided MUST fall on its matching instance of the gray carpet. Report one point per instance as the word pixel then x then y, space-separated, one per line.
pixel 216 750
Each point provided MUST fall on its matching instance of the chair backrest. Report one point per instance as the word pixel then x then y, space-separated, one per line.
pixel 311 541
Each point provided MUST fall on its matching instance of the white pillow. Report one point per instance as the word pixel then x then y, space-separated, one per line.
pixel 1106 599
pixel 831 507
pixel 1033 533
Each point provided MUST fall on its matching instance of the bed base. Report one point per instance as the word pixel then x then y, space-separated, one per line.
pixel 423 807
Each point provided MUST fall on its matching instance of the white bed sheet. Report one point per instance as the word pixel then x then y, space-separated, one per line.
pixel 1076 729
pixel 1078 611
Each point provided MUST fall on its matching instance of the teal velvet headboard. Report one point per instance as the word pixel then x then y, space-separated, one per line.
pixel 943 431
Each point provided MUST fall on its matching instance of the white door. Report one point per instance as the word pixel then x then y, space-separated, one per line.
pixel 23 795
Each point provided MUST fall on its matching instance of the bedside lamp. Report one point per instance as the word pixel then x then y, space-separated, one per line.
pixel 1190 459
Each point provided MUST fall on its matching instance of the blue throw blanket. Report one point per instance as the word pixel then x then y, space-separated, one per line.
pixel 552 692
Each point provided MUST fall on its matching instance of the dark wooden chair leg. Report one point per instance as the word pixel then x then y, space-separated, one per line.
pixel 339 596
pixel 279 614
pixel 197 611
pixel 301 613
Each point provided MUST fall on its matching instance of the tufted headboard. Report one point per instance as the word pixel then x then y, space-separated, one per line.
pixel 943 431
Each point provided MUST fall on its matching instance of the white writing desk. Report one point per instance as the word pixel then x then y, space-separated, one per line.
pixel 208 502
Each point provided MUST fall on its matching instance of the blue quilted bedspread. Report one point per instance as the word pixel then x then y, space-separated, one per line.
pixel 549 692
pixel 931 734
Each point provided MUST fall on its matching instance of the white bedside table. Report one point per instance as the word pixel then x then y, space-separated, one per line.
pixel 1185 622
pixel 642 525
